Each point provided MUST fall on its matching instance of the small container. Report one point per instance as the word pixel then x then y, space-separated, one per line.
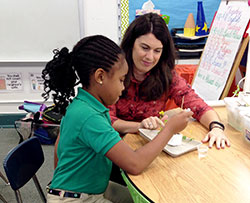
pixel 202 151
pixel 246 126
pixel 235 110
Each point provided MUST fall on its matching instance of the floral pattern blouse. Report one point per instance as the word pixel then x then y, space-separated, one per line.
pixel 132 108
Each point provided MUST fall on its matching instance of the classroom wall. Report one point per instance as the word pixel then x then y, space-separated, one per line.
pixel 95 17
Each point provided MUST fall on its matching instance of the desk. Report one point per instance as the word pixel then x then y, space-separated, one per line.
pixel 222 176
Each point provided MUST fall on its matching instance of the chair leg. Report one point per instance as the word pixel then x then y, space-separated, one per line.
pixel 18 196
pixel 2 198
pixel 3 177
pixel 38 186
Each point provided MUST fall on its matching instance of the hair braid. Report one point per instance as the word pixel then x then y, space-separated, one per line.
pixel 88 54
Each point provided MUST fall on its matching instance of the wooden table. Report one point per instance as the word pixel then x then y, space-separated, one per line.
pixel 222 176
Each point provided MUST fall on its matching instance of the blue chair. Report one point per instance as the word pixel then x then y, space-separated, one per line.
pixel 22 163
pixel 136 195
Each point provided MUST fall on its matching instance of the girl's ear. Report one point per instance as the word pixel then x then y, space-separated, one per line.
pixel 99 75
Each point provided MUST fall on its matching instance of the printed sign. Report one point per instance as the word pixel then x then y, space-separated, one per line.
pixel 11 82
pixel 36 82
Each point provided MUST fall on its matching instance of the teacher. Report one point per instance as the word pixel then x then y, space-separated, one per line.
pixel 152 80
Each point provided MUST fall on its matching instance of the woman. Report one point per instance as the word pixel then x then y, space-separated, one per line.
pixel 152 80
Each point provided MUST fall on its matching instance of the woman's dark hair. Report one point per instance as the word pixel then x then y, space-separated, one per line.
pixel 160 78
pixel 66 70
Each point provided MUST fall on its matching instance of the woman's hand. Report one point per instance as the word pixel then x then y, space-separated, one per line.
pixel 216 136
pixel 153 122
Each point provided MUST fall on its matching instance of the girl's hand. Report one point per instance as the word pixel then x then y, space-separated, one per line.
pixel 152 122
pixel 216 136
pixel 179 121
pixel 164 119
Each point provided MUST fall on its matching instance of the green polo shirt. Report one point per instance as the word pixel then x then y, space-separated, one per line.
pixel 86 135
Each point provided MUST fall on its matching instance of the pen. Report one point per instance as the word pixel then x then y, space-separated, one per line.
pixel 182 102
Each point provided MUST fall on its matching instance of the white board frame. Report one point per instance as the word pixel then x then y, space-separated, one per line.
pixel 31 29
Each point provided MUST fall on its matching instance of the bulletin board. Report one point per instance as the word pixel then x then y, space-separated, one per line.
pixel 177 10
pixel 31 29
pixel 221 49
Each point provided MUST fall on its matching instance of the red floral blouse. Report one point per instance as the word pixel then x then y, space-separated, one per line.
pixel 132 108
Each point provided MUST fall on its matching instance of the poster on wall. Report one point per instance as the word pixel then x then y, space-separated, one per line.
pixel 11 82
pixel 36 82
pixel 178 11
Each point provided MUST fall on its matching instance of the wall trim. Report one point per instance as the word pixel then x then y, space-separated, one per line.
pixel 8 120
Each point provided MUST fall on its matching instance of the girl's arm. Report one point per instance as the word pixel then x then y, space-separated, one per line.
pixel 134 162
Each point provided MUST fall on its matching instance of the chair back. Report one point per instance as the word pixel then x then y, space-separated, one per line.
pixel 22 163
pixel 137 196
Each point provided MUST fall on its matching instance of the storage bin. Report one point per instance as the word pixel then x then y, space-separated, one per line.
pixel 235 110
pixel 46 132
pixel 246 126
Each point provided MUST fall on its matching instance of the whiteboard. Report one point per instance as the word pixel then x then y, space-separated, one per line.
pixel 221 48
pixel 31 29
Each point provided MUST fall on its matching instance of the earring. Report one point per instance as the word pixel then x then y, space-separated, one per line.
pixel 100 82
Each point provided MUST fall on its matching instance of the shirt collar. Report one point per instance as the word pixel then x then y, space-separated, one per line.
pixel 91 100
pixel 133 79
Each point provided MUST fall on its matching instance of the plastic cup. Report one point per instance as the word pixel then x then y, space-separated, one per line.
pixel 202 151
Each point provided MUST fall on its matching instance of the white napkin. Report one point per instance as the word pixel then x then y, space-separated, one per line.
pixel 176 140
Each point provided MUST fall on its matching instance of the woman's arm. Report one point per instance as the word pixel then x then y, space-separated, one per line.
pixel 208 117
pixel 184 94
pixel 151 122
pixel 216 135
pixel 124 127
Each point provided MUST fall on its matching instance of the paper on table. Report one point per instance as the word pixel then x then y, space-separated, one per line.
pixel 176 140
pixel 186 145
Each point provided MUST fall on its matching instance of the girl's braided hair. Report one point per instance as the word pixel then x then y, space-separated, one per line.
pixel 68 69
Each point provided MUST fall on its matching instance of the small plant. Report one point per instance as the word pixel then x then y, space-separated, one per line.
pixel 236 92
pixel 161 114
pixel 187 138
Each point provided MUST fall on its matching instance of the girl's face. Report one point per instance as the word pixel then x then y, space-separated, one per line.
pixel 113 83
pixel 146 53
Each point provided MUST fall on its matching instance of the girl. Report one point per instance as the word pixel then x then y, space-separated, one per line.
pixel 88 144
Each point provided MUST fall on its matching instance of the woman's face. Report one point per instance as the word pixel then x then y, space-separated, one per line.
pixel 146 53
